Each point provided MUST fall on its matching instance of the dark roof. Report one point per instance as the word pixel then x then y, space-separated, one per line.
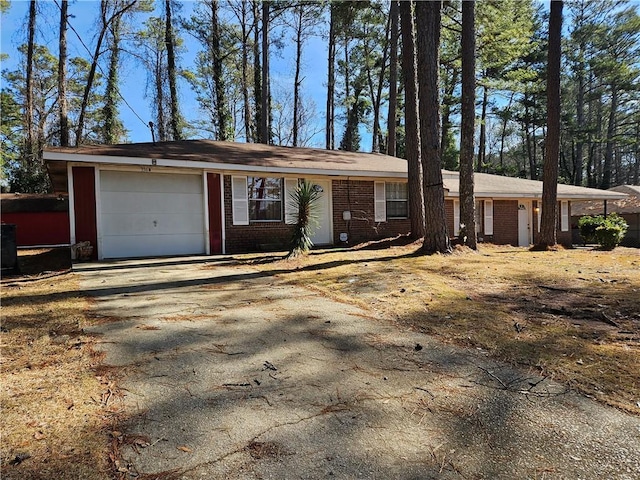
pixel 256 157
pixel 230 154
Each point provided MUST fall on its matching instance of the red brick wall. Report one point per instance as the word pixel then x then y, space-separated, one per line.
pixel 563 238
pixel 505 223
pixel 356 196
pixel 448 211
pixel 255 237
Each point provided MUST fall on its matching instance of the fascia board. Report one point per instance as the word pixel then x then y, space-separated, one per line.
pixel 211 166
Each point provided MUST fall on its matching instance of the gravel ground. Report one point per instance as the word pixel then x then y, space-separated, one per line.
pixel 232 374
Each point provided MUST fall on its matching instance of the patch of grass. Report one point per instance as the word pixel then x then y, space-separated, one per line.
pixel 54 408
pixel 572 315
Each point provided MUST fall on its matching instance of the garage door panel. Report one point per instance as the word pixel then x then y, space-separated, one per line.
pixel 152 245
pixel 151 214
pixel 113 181
pixel 145 224
pixel 152 203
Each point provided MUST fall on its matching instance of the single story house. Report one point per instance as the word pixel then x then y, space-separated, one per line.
pixel 208 197
pixel 627 207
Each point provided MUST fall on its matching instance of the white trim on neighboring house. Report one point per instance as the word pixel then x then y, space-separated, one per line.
pixel 379 202
pixel 488 217
pixel 223 167
pixel 239 201
pixel 290 215
pixel 205 201
pixel 72 210
pixel 564 216
pixel 456 218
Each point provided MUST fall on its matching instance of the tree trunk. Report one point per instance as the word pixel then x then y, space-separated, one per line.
pixel 579 161
pixel 393 80
pixel 611 130
pixel 62 75
pixel 296 79
pixel 414 167
pixel 176 128
pixel 552 141
pixel 375 100
pixel 111 91
pixel 503 133
pixel 331 82
pixel 483 130
pixel 248 131
pixel 467 128
pixel 447 102
pixel 224 117
pixel 105 23
pixel 29 80
pixel 265 127
pixel 257 72
pixel 428 22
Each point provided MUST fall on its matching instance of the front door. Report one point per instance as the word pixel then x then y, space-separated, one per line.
pixel 524 223
pixel 323 234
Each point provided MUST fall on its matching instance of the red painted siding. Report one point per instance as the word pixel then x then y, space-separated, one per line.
pixel 215 214
pixel 39 228
pixel 84 206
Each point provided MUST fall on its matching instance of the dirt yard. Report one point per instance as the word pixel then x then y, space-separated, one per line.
pixel 570 319
pixel 572 315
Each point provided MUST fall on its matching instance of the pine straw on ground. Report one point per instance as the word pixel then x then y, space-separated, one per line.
pixel 571 315
pixel 56 403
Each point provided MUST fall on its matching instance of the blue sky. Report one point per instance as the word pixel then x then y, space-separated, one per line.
pixel 133 77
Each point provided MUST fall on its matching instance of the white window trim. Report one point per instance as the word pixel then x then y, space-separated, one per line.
pixel 488 217
pixel 456 218
pixel 290 214
pixel 380 202
pixel 239 200
pixel 564 216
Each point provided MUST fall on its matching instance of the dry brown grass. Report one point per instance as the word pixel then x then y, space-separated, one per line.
pixel 551 311
pixel 55 404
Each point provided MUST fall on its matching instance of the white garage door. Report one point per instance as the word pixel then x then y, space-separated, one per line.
pixel 151 214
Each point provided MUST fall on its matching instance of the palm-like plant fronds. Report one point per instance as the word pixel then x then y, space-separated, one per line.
pixel 303 200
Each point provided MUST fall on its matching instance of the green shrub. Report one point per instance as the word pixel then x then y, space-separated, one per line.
pixel 587 226
pixel 607 232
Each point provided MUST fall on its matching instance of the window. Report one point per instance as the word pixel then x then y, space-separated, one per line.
pixel 397 202
pixel 265 199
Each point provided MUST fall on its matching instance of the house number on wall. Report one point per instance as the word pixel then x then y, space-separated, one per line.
pixel 145 169
pixel 521 207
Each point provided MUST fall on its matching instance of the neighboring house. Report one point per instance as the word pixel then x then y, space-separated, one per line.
pixel 207 197
pixel 628 208
pixel 40 220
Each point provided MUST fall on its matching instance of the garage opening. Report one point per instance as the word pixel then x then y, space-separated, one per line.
pixel 151 214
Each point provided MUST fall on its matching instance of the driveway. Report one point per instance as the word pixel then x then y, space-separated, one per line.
pixel 231 373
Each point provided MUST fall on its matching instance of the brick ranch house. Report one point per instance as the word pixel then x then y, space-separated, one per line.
pixel 209 197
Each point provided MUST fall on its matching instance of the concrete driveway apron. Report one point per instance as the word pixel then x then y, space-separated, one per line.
pixel 228 372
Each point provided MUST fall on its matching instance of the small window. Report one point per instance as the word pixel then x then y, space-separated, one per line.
pixel 265 199
pixel 397 200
